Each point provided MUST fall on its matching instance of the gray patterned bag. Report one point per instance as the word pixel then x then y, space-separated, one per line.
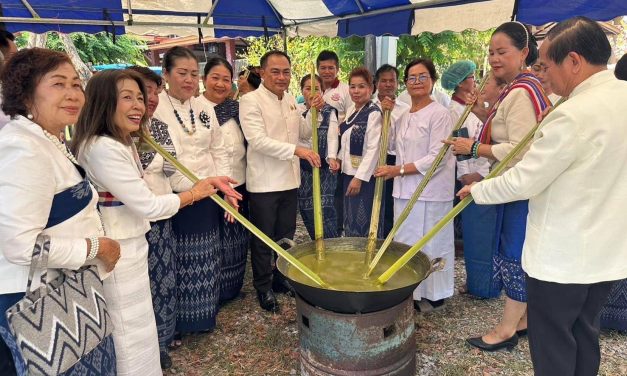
pixel 60 322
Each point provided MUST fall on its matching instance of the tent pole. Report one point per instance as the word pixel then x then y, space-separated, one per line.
pixel 284 35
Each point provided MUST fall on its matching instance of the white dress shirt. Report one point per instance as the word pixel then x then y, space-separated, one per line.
pixel 399 109
pixel 575 179
pixel 273 128
pixel 234 145
pixel 339 98
pixel 473 124
pixel 370 153
pixel 437 95
pixel 33 171
pixel 514 118
pixel 203 151
pixel 418 140
pixel 112 167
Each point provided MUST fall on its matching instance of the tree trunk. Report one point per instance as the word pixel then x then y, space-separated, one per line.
pixel 37 40
pixel 83 71
pixel 370 49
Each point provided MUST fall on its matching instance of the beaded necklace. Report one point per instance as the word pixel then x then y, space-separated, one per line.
pixel 60 145
pixel 180 120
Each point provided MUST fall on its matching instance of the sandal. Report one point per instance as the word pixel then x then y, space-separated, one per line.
pixel 177 341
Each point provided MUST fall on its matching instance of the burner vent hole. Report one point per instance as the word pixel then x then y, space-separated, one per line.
pixel 305 320
pixel 389 330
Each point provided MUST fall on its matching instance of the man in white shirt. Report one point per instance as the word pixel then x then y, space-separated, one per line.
pixel 574 177
pixel 272 125
pixel 336 94
pixel 7 49
pixel 386 83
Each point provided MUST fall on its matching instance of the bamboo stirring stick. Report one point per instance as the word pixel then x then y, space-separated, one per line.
pixel 421 187
pixel 378 189
pixel 317 199
pixel 245 222
pixel 383 278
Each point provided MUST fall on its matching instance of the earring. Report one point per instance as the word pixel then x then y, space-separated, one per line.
pixel 29 116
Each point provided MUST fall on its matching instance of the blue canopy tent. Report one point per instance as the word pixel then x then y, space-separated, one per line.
pixel 242 18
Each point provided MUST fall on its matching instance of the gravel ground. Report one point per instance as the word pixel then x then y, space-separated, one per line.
pixel 250 341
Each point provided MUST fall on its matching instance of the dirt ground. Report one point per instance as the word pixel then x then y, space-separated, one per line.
pixel 250 341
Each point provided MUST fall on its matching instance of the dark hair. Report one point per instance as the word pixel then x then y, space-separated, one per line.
pixel 384 69
pixel 581 35
pixel 101 99
pixel 521 37
pixel 620 71
pixel 264 58
pixel 5 37
pixel 306 78
pixel 214 61
pixel 362 72
pixel 427 63
pixel 174 53
pixel 21 75
pixel 254 79
pixel 327 55
pixel 147 74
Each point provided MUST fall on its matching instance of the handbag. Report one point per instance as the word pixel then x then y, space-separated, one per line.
pixel 60 322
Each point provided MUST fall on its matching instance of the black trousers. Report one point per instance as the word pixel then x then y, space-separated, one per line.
pixel 274 213
pixel 563 322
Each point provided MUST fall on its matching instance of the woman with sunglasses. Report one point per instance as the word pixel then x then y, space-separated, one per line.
pixel 417 141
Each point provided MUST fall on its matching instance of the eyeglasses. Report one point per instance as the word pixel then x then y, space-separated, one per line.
pixel 538 68
pixel 421 78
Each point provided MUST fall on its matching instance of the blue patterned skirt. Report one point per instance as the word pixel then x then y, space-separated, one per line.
pixel 328 183
pixel 358 209
pixel 198 260
pixel 99 362
pixel 478 226
pixel 162 274
pixel 511 224
pixel 614 312
pixel 234 239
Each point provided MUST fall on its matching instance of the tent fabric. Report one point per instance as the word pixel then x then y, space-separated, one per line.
pixel 242 18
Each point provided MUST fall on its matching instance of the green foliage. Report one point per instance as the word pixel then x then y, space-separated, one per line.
pixel 304 50
pixel 444 48
pixel 98 48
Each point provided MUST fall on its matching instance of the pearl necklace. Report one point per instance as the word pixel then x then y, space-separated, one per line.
pixel 61 146
pixel 355 117
pixel 180 120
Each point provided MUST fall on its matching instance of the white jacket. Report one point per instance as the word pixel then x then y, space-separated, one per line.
pixel 575 177
pixel 272 127
pixel 112 168
pixel 33 171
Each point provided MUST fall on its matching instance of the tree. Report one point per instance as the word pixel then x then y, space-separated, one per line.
pixel 445 48
pixel 97 48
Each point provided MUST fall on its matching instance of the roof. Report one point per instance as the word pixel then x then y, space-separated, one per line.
pixel 242 18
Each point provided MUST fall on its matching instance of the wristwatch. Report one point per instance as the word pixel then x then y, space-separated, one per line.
pixel 402 170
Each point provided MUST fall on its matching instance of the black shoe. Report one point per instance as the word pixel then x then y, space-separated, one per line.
pixel 521 332
pixel 280 285
pixel 166 361
pixel 508 344
pixel 268 301
pixel 426 305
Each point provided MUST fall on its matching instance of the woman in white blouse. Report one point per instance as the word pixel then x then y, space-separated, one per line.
pixel 360 133
pixel 102 141
pixel 417 140
pixel 197 138
pixel 234 237
pixel 512 49
pixel 43 192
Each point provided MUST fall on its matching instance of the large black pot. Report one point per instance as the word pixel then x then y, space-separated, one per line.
pixel 351 301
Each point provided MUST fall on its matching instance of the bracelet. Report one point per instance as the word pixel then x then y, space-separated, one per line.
pixel 191 191
pixel 94 248
pixel 475 149
pixel 402 170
